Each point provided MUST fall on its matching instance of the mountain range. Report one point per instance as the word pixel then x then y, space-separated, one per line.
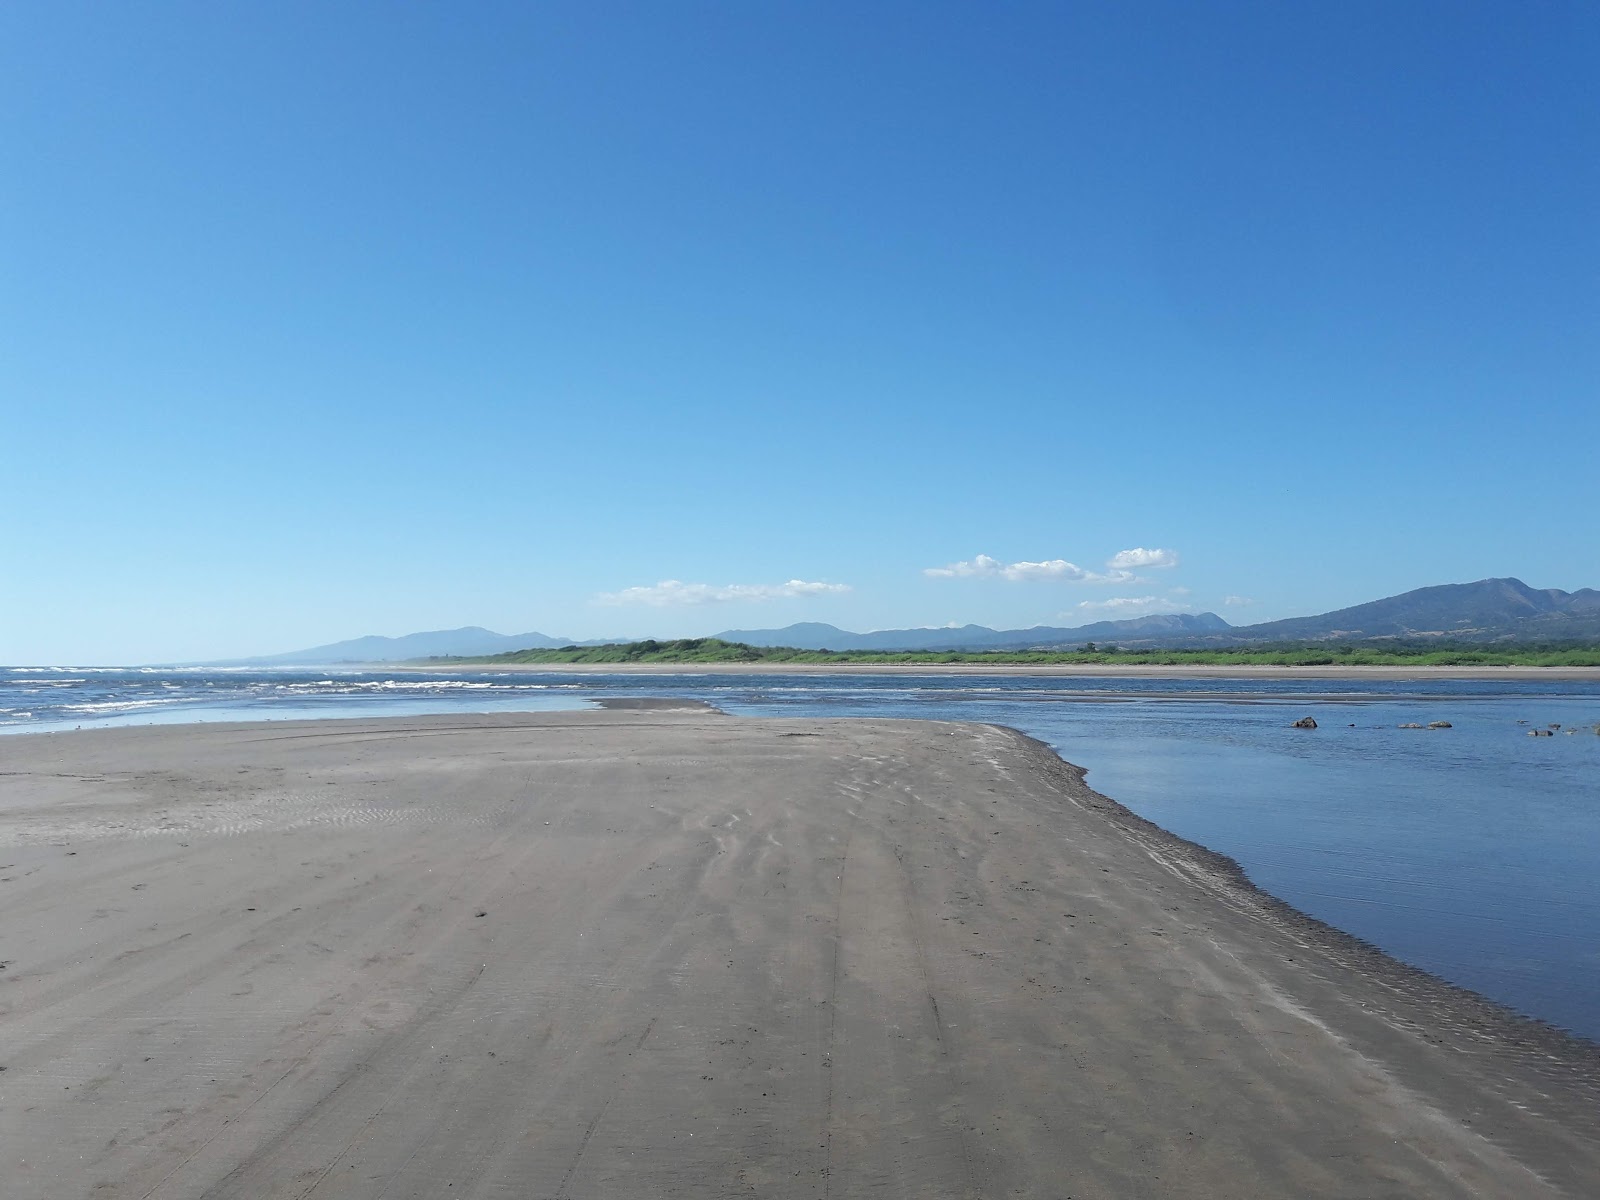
pixel 812 636
pixel 470 640
pixel 1489 610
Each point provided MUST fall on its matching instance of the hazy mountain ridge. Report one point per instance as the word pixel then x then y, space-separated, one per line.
pixel 1487 610
pixel 813 636
pixel 468 640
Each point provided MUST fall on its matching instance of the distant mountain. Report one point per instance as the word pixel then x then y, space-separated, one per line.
pixel 814 636
pixel 1485 611
pixel 470 640
pixel 1488 610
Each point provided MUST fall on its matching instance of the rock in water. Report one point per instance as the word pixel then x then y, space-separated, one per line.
pixel 1440 725
pixel 1411 725
pixel 1305 723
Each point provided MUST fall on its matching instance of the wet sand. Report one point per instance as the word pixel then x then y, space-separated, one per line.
pixel 658 951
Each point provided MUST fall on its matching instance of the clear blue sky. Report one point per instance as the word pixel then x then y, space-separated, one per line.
pixel 319 319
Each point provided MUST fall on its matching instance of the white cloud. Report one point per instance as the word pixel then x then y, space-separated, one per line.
pixel 981 566
pixel 1129 606
pixel 1140 557
pixel 1237 601
pixel 672 591
pixel 984 567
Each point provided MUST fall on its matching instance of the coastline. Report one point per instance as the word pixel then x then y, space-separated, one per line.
pixel 1485 1019
pixel 1064 671
pixel 1141 958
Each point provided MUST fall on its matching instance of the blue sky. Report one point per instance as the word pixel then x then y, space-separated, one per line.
pixel 319 320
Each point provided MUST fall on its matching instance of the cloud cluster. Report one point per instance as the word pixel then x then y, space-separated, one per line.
pixel 1130 605
pixel 674 592
pixel 1139 558
pixel 984 567
pixel 1237 601
pixel 1120 568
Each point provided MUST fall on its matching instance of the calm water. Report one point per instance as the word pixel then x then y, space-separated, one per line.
pixel 1473 852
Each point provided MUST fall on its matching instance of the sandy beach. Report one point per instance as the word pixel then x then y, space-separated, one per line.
pixel 659 951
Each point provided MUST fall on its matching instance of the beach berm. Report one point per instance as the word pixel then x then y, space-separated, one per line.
pixel 660 951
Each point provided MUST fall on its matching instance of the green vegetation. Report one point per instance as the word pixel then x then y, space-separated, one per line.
pixel 1362 654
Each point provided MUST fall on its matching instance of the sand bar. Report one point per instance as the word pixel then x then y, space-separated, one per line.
pixel 657 951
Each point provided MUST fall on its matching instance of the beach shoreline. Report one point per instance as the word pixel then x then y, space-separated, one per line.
pixel 669 922
pixel 1063 671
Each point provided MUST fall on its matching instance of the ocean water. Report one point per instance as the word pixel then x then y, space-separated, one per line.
pixel 1472 852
